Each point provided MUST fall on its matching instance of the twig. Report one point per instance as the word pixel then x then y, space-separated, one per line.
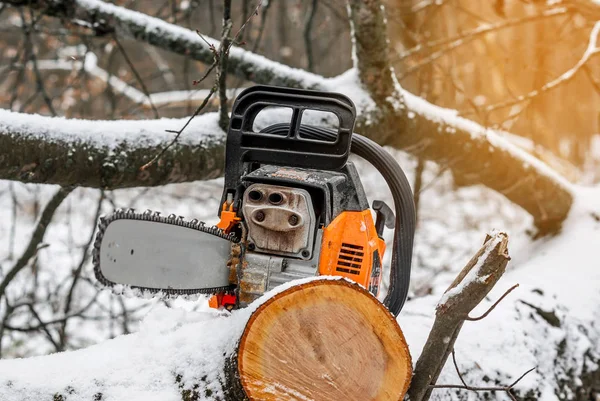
pixel 38 76
pixel 307 34
pixel 474 319
pixel 136 74
pixel 263 20
pixel 465 38
pixel 77 274
pixel 36 237
pixel 482 30
pixel 178 133
pixel 224 48
pixel 460 376
pixel 44 327
pixel 465 386
pixel 219 62
pixel 226 43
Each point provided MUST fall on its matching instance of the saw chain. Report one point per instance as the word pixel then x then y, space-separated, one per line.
pixel 172 219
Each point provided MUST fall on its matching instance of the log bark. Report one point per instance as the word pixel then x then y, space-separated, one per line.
pixel 322 340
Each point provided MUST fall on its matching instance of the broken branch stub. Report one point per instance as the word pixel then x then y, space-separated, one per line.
pixel 469 288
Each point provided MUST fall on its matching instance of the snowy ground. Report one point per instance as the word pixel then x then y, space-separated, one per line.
pixel 558 275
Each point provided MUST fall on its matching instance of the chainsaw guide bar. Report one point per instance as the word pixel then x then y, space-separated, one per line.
pixel 197 227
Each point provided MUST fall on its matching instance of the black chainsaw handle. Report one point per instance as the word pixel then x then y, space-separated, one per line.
pixel 245 147
pixel 405 222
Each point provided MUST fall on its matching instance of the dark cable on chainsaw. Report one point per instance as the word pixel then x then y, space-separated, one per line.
pixel 404 233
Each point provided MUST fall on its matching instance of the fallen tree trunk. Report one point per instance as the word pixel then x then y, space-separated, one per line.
pixel 108 154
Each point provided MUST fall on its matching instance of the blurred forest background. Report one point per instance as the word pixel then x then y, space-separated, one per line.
pixel 492 61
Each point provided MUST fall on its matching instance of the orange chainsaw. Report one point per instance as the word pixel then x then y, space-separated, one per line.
pixel 293 206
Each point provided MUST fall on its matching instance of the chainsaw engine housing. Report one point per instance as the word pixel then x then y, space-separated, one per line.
pixel 305 222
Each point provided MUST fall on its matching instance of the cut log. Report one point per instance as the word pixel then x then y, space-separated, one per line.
pixel 322 340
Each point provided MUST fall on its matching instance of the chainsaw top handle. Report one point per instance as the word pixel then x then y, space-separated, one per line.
pixel 245 146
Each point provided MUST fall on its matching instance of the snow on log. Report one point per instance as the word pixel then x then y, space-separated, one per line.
pixel 108 154
pixel 313 339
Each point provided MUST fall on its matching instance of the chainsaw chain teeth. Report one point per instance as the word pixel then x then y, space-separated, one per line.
pixel 149 215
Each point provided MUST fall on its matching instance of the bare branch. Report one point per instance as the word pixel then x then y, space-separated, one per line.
pixel 36 238
pixel 474 319
pixel 592 50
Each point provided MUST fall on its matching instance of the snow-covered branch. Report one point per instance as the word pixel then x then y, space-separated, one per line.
pixel 470 287
pixel 107 154
pixel 104 17
pixel 388 114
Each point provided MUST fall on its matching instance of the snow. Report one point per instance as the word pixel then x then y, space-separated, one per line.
pixel 141 366
pixel 178 341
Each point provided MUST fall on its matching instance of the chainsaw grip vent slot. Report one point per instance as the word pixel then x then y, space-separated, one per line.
pixel 350 258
